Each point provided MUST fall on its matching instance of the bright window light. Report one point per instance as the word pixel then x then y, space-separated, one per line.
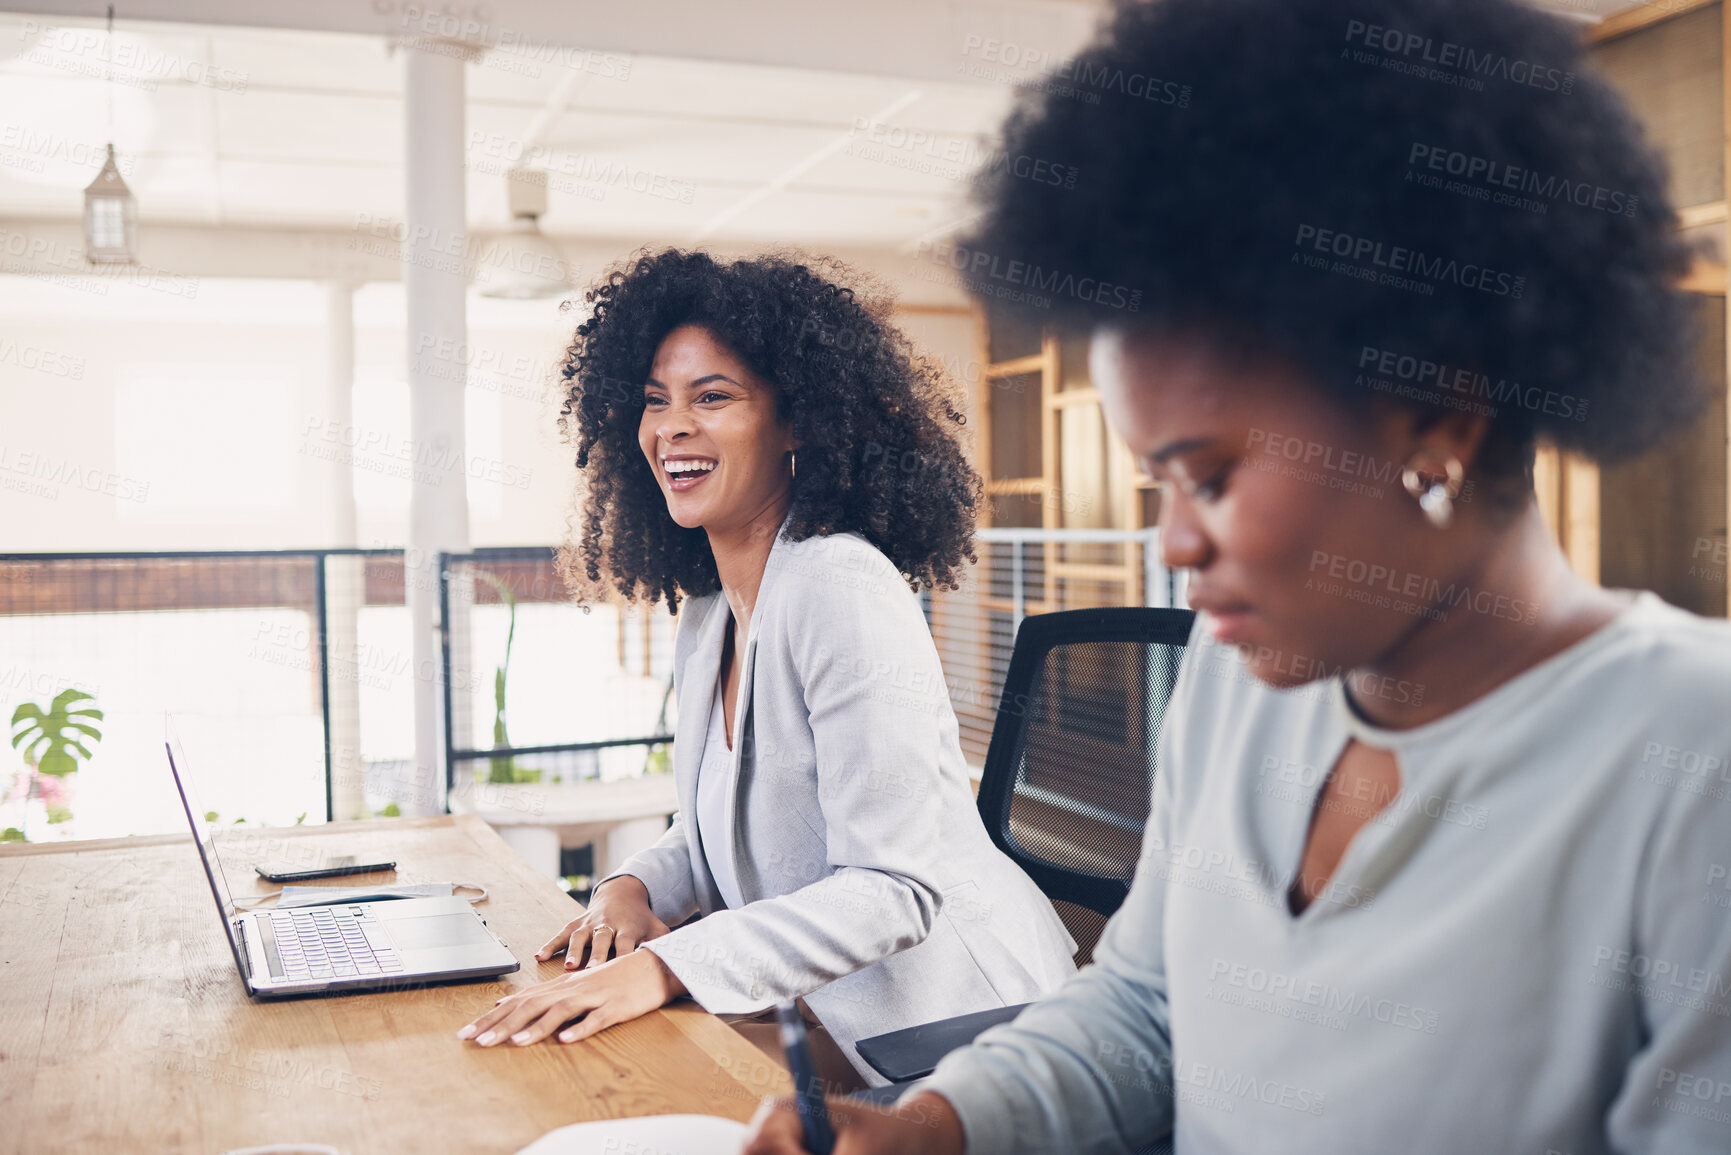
pixel 208 437
pixel 385 457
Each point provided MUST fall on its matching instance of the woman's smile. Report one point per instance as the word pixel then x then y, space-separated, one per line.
pixel 684 472
pixel 702 406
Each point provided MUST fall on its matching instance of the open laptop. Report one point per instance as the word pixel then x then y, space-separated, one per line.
pixel 359 946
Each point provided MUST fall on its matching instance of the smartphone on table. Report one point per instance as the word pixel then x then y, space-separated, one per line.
pixel 334 867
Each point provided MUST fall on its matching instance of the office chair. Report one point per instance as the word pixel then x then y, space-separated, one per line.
pixel 1067 784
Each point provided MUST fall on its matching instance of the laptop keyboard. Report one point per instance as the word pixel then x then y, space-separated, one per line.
pixel 323 942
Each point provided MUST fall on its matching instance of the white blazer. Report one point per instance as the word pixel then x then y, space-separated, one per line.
pixel 871 886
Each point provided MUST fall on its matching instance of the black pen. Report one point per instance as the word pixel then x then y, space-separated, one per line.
pixel 807 1089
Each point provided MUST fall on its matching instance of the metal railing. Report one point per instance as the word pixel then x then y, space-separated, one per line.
pixel 301 662
pixel 629 712
pixel 150 632
pixel 294 677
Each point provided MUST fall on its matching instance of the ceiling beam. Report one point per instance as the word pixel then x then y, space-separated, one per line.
pixel 175 258
pixel 984 43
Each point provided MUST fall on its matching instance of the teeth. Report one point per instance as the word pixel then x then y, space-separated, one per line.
pixel 688 466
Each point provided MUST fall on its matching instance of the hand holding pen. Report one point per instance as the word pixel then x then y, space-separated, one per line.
pixel 807 1088
pixel 920 1124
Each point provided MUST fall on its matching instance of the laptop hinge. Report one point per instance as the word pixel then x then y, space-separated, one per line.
pixel 242 951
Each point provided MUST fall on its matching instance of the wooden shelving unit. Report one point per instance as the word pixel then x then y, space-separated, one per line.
pixel 1660 522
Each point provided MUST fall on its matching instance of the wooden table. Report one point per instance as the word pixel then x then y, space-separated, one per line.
pixel 124 1027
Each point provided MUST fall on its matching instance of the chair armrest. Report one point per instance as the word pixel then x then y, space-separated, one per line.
pixel 912 1053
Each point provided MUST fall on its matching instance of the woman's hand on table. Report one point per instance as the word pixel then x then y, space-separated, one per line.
pixel 599 996
pixel 617 922
pixel 921 1124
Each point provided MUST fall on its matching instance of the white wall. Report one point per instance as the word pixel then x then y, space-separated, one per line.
pixel 144 414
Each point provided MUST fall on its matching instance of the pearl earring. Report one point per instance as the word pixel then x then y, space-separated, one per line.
pixel 1437 496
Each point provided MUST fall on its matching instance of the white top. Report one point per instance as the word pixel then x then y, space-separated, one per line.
pixel 1529 951
pixel 714 779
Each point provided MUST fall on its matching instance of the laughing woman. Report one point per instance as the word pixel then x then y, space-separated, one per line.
pixel 758 444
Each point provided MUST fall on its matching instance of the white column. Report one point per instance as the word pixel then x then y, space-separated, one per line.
pixel 344 577
pixel 435 259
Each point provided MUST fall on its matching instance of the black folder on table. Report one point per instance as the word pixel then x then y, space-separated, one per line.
pixel 914 1052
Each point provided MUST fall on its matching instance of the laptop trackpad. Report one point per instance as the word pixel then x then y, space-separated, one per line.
pixel 432 931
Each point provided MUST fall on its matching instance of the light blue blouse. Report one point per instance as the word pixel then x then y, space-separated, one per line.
pixel 1529 951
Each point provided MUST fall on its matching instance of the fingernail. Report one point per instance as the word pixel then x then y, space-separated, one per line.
pixel 467 1032
pixel 567 1036
pixel 520 1038
pixel 486 1040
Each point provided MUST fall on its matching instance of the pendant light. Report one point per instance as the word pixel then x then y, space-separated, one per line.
pixel 523 264
pixel 110 212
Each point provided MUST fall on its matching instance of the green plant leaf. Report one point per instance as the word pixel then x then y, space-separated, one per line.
pixel 12 834
pixel 53 741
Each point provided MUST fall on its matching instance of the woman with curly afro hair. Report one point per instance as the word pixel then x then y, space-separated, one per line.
pixel 1441 827
pixel 763 450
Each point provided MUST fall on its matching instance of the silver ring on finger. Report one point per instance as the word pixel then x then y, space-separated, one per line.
pixel 601 926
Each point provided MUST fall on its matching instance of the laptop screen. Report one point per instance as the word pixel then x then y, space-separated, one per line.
pixel 201 837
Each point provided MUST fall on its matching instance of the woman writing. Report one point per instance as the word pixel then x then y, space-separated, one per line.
pixel 1428 861
pixel 744 432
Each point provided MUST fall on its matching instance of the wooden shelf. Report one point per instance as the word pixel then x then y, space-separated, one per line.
pixel 1034 486
pixel 1032 363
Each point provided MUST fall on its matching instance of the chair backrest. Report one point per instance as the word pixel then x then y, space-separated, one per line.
pixel 1070 769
